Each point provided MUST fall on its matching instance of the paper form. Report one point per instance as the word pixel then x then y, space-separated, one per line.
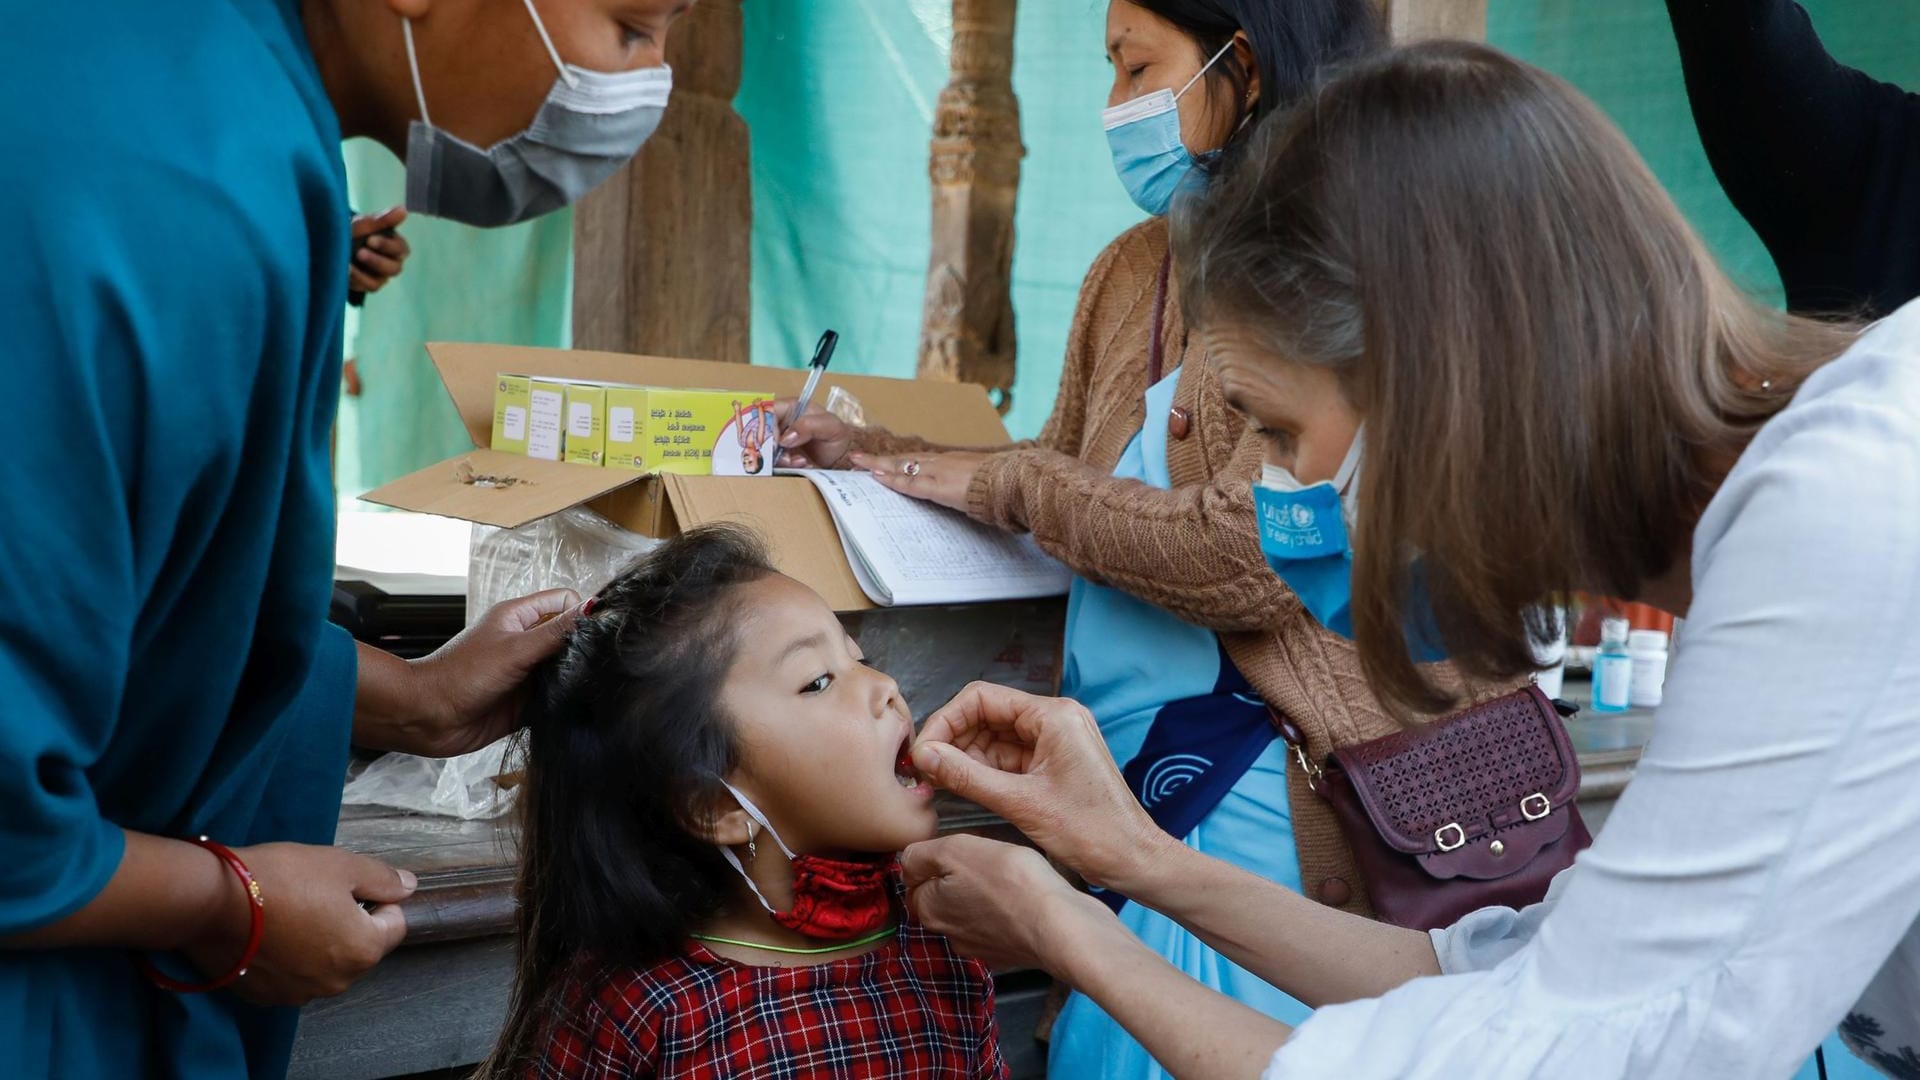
pixel 905 551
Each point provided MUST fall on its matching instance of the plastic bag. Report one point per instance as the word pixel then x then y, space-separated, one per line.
pixel 575 549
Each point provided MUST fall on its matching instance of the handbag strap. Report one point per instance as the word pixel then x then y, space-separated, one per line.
pixel 1156 349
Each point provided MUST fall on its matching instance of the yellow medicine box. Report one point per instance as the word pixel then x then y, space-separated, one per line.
pixel 691 432
pixel 646 429
pixel 546 402
pixel 586 423
pixel 709 432
pixel 512 396
pixel 626 428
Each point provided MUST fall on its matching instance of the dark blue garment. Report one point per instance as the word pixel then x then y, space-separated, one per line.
pixel 170 305
pixel 1196 751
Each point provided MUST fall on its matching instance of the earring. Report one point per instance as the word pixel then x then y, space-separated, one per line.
pixel 753 849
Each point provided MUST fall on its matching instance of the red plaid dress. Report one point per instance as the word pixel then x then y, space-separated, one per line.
pixel 909 1010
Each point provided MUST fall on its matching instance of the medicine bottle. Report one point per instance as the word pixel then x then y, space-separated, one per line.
pixel 1647 649
pixel 1612 668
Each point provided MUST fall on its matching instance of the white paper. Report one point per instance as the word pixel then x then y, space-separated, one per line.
pixel 620 424
pixel 580 420
pixel 513 424
pixel 543 435
pixel 904 551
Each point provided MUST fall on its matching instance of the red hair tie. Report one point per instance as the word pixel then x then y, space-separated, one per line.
pixel 254 932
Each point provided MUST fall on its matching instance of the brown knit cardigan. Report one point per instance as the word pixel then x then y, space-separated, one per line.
pixel 1192 550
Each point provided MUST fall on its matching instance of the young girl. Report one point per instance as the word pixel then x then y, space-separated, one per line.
pixel 715 785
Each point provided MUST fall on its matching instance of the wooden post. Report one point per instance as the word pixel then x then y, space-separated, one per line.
pixel 1414 20
pixel 967 322
pixel 661 252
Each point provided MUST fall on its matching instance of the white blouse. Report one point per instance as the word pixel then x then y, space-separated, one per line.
pixel 1759 881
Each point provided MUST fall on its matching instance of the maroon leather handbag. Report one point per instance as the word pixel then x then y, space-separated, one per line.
pixel 1467 812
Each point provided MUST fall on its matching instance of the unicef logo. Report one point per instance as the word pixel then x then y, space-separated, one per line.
pixel 1169 775
pixel 1302 516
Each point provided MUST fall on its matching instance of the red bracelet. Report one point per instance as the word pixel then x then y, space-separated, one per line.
pixel 254 932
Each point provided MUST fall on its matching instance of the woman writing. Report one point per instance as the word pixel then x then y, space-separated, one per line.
pixel 1560 390
pixel 1176 629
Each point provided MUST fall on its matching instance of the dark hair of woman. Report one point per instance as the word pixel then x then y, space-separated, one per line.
pixel 1553 371
pixel 1293 41
pixel 623 754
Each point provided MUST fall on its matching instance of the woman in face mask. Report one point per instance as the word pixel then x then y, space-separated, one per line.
pixel 174 711
pixel 1177 632
pixel 1561 390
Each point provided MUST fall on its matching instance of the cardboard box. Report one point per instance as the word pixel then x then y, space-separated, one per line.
pixel 494 487
pixel 586 423
pixel 546 418
pixel 512 396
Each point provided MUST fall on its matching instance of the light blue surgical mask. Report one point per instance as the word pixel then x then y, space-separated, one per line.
pixel 1144 135
pixel 592 123
pixel 1306 534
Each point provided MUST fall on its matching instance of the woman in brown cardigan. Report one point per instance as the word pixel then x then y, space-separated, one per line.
pixel 1140 483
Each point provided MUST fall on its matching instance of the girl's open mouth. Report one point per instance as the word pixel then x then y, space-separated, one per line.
pixel 904 773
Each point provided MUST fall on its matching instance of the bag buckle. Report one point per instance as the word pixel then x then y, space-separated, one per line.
pixel 1450 836
pixel 1535 806
pixel 1313 771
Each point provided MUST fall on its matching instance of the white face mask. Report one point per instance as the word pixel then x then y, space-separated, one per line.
pixel 1346 479
pixel 592 123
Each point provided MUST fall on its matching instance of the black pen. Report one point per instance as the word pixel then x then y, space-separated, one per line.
pixel 822 353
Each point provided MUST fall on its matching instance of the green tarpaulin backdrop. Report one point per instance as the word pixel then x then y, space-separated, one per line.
pixel 839 96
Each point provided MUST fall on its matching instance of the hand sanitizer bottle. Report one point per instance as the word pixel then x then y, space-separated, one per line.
pixel 1612 668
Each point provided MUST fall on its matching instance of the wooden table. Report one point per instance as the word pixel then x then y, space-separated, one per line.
pixel 438 1001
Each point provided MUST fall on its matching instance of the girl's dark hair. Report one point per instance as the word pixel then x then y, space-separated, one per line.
pixel 623 751
pixel 1553 370
pixel 1293 42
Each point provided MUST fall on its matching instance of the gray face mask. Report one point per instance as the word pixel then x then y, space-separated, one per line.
pixel 592 123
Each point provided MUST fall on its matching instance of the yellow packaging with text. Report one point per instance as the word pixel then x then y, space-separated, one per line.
pixel 691 432
pixel 709 432
pixel 512 397
pixel 586 423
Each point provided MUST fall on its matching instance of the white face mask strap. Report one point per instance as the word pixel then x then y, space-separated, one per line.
pixel 566 76
pixel 413 64
pixel 1196 75
pixel 1350 464
pixel 733 860
pixel 754 813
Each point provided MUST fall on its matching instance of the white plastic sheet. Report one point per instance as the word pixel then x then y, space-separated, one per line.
pixel 575 549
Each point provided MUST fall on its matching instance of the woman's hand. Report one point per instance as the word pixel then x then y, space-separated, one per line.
pixel 1041 764
pixel 468 693
pixel 999 903
pixel 380 259
pixel 818 440
pixel 318 937
pixel 942 477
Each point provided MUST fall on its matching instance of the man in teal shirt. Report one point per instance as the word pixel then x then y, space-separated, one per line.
pixel 170 307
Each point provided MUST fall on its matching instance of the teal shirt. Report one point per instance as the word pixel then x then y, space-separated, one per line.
pixel 171 294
